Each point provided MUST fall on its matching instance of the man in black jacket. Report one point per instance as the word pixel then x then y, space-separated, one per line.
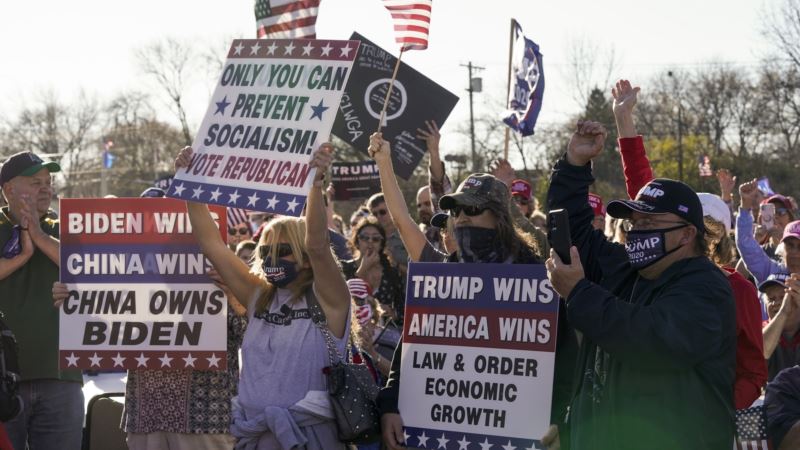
pixel 655 316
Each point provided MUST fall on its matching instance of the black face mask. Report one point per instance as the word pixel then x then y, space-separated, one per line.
pixel 478 245
pixel 647 247
pixel 280 273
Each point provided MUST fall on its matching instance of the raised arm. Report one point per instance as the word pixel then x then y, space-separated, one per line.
pixel 755 259
pixel 438 182
pixel 413 238
pixel 329 284
pixel 244 285
pixel 635 164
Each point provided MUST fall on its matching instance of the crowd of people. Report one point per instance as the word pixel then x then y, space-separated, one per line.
pixel 676 309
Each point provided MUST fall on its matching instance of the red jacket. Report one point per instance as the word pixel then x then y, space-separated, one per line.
pixel 751 367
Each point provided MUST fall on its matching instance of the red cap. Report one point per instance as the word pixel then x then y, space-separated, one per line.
pixel 521 188
pixel 596 202
pixel 792 230
pixel 780 199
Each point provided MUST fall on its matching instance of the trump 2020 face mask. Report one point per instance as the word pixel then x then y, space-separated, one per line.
pixel 647 247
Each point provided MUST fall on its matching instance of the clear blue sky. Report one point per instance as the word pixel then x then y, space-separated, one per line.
pixel 88 44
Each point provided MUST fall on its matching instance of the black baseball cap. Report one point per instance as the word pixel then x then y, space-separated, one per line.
pixel 153 192
pixel 776 279
pixel 662 196
pixel 24 164
pixel 439 219
pixel 479 189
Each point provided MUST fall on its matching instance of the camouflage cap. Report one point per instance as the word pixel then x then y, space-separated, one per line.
pixel 479 189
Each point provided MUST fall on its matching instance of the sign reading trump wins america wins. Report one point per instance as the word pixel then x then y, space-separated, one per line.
pixel 275 103
pixel 478 356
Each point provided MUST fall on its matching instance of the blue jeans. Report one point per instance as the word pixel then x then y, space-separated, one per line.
pixel 51 418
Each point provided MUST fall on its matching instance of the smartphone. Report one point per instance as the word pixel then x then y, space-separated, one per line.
pixel 558 234
pixel 767 215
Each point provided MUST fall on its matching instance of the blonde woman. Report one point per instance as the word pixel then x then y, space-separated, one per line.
pixel 283 401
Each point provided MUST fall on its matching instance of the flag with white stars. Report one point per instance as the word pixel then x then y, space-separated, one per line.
pixel 274 105
pixel 751 429
pixel 139 296
pixel 286 19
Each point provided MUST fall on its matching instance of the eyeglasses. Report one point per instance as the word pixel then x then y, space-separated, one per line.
pixel 265 251
pixel 646 224
pixel 374 238
pixel 471 211
pixel 379 212
pixel 241 230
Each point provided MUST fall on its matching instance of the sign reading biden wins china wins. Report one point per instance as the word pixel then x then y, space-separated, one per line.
pixel 478 356
pixel 139 296
pixel 275 103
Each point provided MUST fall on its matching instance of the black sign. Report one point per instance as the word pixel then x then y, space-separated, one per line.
pixel 415 99
pixel 355 180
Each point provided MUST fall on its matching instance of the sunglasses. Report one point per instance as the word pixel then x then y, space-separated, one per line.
pixel 241 230
pixel 520 200
pixel 365 238
pixel 379 212
pixel 265 251
pixel 471 211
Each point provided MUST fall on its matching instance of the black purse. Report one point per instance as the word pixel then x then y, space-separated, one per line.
pixel 352 390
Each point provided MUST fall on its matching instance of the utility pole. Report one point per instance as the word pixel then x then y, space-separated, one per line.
pixel 475 85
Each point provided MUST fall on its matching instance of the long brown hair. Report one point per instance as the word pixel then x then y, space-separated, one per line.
pixel 518 243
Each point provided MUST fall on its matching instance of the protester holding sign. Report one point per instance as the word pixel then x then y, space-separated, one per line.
pixel 751 370
pixel 485 233
pixel 656 315
pixel 52 415
pixel 283 401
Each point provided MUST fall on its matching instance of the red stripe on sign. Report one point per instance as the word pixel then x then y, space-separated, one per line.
pixel 484 328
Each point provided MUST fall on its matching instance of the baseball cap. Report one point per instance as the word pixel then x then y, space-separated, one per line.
pixel 662 196
pixel 153 192
pixel 521 188
pixel 776 279
pixel 596 202
pixel 479 189
pixel 792 230
pixel 439 219
pixel 778 199
pixel 714 207
pixel 24 164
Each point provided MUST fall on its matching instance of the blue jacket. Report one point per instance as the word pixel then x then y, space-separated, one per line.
pixel 657 357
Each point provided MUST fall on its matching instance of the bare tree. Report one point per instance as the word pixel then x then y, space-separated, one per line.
pixel 589 65
pixel 171 63
pixel 781 25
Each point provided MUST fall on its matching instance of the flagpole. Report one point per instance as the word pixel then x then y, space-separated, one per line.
pixel 389 92
pixel 508 83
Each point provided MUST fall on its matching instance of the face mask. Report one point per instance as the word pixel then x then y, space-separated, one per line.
pixel 647 247
pixel 477 245
pixel 281 274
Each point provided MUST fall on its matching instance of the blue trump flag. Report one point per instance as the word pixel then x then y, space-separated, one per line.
pixel 526 83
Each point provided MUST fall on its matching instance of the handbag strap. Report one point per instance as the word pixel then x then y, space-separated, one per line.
pixel 319 319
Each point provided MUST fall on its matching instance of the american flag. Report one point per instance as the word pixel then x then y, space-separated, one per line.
pixel 237 216
pixel 286 19
pixel 751 429
pixel 412 19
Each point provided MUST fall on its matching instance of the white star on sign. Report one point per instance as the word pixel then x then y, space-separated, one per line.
pixel 406 436
pixel 289 49
pixel 463 443
pixel 197 192
pixel 72 360
pixel 271 48
pixel 272 202
pixel 423 440
pixel 119 360
pixel 326 51
pixel 179 189
pixel 251 200
pixel 254 49
pixel 95 360
pixel 345 51
pixel 141 360
pixel 189 361
pixel 238 49
pixel 215 194
pixel 292 205
pixel 213 361
pixel 485 445
pixel 509 446
pixel 443 442
pixel 234 197
pixel 307 49
pixel 532 447
pixel 166 361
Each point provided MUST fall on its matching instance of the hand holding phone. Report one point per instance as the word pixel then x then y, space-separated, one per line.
pixel 558 234
pixel 767 216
